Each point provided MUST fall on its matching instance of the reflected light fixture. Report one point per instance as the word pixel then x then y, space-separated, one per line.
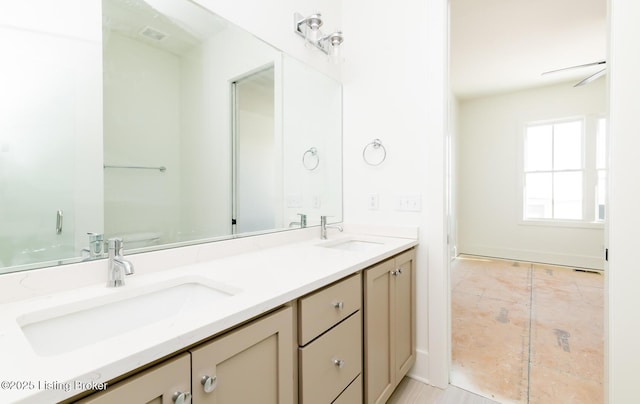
pixel 309 29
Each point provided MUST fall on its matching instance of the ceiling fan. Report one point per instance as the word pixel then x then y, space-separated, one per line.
pixel 587 80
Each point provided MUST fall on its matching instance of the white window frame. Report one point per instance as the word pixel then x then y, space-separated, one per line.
pixel 589 176
pixel 594 175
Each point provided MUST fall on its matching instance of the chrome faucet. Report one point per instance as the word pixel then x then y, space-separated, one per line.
pixel 96 246
pixel 118 266
pixel 302 223
pixel 324 227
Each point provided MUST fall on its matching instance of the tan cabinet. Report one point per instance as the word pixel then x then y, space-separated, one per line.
pixel 253 364
pixel 389 325
pixel 330 338
pixel 160 384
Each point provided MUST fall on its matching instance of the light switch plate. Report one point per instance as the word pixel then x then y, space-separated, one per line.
pixel 409 203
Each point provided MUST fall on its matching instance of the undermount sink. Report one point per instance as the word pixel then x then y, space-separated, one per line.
pixel 63 329
pixel 353 245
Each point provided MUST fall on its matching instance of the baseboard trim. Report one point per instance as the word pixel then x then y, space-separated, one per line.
pixel 571 260
pixel 420 370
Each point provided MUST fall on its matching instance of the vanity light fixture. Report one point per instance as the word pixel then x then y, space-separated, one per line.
pixel 309 29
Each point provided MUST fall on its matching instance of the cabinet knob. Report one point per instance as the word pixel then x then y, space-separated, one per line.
pixel 209 383
pixel 339 305
pixel 181 398
pixel 339 363
pixel 397 272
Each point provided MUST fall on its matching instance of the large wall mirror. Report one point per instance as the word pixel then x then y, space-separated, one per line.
pixel 156 121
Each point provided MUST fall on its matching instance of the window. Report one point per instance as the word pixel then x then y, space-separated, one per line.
pixel 565 171
pixel 554 171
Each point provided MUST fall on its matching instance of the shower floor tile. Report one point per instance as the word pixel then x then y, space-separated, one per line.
pixel 527 333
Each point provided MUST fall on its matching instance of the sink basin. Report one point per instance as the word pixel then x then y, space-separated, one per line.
pixel 353 245
pixel 51 332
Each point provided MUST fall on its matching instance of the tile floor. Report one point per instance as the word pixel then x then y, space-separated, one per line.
pixel 527 333
pixel 411 391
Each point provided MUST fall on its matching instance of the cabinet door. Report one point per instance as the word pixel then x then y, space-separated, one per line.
pixel 156 385
pixel 404 314
pixel 253 364
pixel 390 325
pixel 379 295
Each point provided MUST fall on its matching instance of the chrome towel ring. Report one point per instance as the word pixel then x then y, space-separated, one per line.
pixel 373 148
pixel 310 159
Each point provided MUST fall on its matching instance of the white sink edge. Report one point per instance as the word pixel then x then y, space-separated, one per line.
pixel 117 295
pixel 349 239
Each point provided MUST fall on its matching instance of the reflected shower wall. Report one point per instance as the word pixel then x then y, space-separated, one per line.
pixel 141 129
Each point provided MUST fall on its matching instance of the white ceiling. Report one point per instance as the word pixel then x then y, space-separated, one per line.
pixel 184 24
pixel 505 45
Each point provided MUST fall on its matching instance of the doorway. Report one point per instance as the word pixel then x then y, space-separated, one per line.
pixel 492 49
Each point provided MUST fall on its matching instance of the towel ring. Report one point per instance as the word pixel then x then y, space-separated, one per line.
pixel 307 159
pixel 376 144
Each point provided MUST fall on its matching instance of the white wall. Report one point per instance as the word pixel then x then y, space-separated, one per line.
pixel 395 90
pixel 489 166
pixel 622 277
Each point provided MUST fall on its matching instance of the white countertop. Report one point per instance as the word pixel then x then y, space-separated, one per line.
pixel 259 280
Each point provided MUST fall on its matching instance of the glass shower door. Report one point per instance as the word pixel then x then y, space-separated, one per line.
pixel 37 127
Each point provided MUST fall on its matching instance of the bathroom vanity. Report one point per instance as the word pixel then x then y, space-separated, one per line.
pixel 309 321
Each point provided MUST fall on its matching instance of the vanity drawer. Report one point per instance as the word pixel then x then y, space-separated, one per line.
pixel 320 310
pixel 330 363
pixel 352 394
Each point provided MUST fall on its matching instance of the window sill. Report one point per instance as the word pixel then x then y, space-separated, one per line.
pixel 562 223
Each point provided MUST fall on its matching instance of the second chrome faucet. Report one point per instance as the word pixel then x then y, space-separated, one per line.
pixel 324 227
pixel 118 266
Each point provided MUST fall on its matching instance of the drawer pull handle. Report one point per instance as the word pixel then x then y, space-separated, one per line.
pixel 339 363
pixel 339 305
pixel 209 383
pixel 397 272
pixel 181 398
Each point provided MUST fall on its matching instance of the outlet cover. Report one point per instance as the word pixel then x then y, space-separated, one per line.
pixel 373 202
